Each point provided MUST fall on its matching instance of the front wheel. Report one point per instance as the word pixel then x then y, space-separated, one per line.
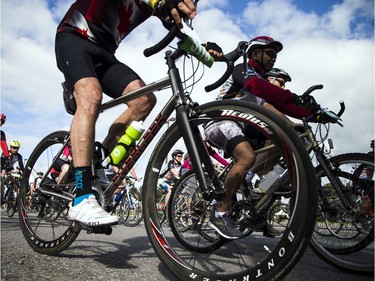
pixel 133 205
pixel 344 237
pixel 254 256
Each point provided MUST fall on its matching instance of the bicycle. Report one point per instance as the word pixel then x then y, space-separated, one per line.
pixel 11 183
pixel 130 207
pixel 340 215
pixel 251 260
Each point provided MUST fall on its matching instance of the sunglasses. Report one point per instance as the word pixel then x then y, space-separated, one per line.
pixel 280 81
pixel 270 53
pixel 179 156
pixel 12 147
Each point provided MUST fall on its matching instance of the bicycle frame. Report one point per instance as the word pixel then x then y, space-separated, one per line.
pixel 322 160
pixel 178 102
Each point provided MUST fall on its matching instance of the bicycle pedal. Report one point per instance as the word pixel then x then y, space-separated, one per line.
pixel 103 229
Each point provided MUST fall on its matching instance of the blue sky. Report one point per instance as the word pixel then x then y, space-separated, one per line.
pixel 325 42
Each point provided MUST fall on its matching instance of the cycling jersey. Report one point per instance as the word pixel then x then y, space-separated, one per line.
pixel 167 173
pixel 280 98
pixel 10 165
pixel 105 22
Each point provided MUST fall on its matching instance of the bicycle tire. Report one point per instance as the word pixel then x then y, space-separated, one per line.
pixel 135 213
pixel 200 237
pixel 350 252
pixel 11 207
pixel 266 260
pixel 123 210
pixel 53 235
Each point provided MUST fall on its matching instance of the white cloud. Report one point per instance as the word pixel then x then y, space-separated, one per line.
pixel 317 49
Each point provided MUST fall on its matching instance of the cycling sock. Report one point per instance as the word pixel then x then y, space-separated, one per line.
pixel 82 177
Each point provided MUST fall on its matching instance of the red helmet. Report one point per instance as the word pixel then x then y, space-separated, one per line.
pixel 262 42
pixel 3 118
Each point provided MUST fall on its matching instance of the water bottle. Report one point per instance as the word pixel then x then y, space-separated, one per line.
pixel 126 142
pixel 271 178
pixel 194 48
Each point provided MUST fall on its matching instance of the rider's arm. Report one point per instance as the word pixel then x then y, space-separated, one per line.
pixel 20 162
pixel 281 99
pixel 175 173
pixel 134 174
pixel 4 145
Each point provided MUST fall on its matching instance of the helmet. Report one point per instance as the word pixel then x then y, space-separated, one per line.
pixel 372 144
pixel 278 72
pixel 176 152
pixel 15 144
pixel 262 42
pixel 3 118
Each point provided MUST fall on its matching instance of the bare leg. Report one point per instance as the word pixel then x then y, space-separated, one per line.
pixel 64 170
pixel 138 109
pixel 244 158
pixel 265 161
pixel 88 96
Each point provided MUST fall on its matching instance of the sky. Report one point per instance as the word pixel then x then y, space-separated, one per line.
pixel 328 42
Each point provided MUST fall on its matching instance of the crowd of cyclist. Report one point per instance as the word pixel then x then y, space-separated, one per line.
pixel 11 163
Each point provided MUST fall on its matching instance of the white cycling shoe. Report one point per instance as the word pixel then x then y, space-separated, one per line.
pixel 90 213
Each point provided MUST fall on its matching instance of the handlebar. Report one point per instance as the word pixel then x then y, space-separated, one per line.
pixel 310 90
pixel 163 42
pixel 229 59
pixel 324 115
pixel 188 45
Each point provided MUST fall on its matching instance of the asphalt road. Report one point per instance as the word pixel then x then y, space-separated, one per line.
pixel 124 255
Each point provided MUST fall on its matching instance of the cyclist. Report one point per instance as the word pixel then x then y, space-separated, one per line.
pixel 3 143
pixel 171 173
pixel 86 41
pixel 265 161
pixel 5 152
pixel 61 166
pixel 234 140
pixel 15 164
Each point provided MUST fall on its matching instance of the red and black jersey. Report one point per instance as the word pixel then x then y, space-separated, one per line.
pixel 280 98
pixel 105 22
pixel 3 144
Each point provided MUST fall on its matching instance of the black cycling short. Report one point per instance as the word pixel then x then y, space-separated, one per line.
pixel 78 58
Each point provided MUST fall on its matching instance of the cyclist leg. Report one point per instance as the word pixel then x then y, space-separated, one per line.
pixel 75 58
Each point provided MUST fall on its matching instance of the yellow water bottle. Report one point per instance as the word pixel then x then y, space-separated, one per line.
pixel 132 134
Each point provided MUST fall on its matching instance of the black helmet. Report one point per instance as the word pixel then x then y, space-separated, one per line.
pixel 372 144
pixel 278 72
pixel 262 42
pixel 176 152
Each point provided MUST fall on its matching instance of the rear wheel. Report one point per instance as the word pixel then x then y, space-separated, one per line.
pixel 45 226
pixel 253 256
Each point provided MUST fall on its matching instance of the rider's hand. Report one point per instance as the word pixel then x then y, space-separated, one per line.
pixel 171 10
pixel 308 102
pixel 214 50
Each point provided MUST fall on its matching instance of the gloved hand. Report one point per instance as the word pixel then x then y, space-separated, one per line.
pixel 308 102
pixel 169 10
pixel 213 49
pixel 212 46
